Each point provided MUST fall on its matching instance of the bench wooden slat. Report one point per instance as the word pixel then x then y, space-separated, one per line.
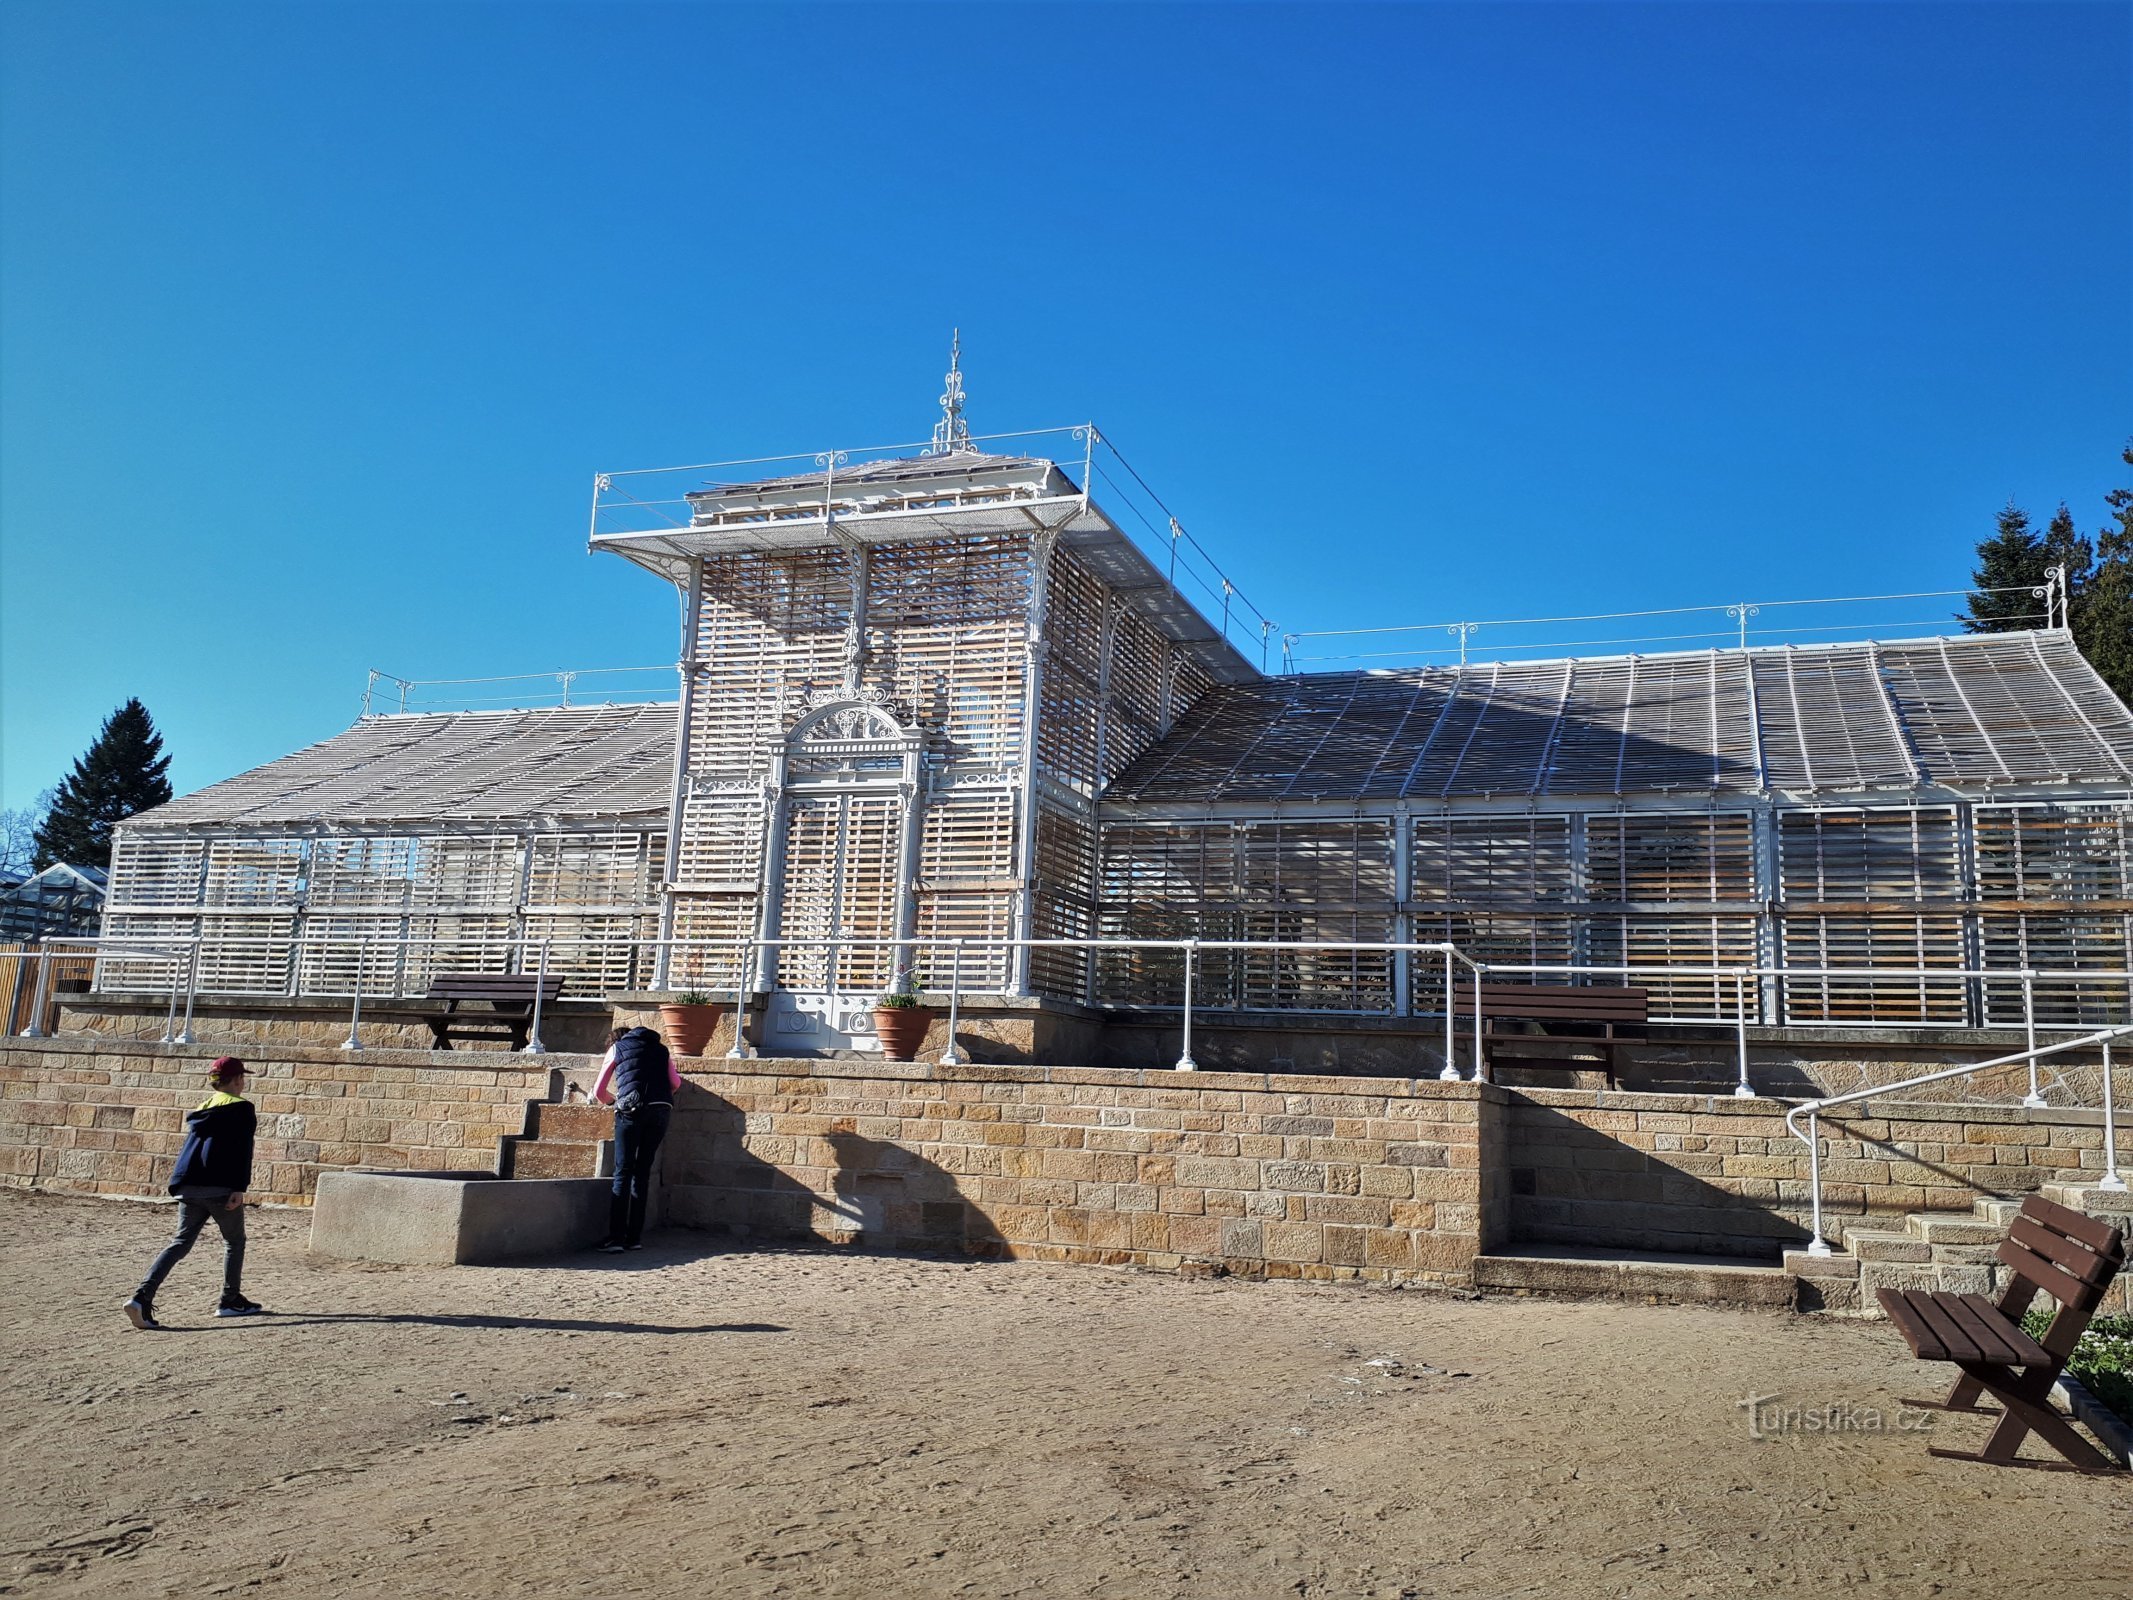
pixel 2070 1257
pixel 1954 1337
pixel 497 985
pixel 2091 1231
pixel 510 997
pixel 1928 1333
pixel 2025 1351
pixel 2053 1279
pixel 1996 1355
pixel 1993 1334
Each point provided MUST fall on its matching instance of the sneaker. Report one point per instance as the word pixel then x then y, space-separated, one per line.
pixel 239 1306
pixel 142 1314
pixel 612 1249
pixel 633 1247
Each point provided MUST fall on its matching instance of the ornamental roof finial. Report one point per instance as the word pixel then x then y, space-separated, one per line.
pixel 951 435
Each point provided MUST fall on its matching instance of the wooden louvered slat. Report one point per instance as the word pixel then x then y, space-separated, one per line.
pixel 1872 854
pixel 2063 856
pixel 1063 901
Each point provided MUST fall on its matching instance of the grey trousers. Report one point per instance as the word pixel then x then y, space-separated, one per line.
pixel 193 1215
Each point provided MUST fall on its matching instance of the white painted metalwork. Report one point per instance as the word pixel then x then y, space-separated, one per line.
pixel 951 435
pixel 1814 1109
pixel 534 1046
pixel 2111 1179
pixel 1734 628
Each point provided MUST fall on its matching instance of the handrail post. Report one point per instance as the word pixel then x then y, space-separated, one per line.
pixel 1185 1060
pixel 2033 1100
pixel 44 961
pixel 170 1020
pixel 738 1050
pixel 192 988
pixel 2111 1180
pixel 1741 1090
pixel 354 1041
pixel 1817 1246
pixel 1479 1059
pixel 950 1056
pixel 534 1047
pixel 1450 1074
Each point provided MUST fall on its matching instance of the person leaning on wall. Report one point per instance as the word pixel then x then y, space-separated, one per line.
pixel 213 1169
pixel 639 1079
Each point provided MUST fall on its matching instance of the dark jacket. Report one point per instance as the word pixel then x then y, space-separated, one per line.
pixel 641 1077
pixel 217 1153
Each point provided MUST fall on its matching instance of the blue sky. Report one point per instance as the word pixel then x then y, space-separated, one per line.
pixel 316 320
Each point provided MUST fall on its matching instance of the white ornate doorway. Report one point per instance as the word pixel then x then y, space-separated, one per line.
pixel 842 854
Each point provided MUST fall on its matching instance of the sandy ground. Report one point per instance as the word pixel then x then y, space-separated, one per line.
pixel 695 1420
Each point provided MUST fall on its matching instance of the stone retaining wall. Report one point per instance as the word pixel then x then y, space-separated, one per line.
pixel 1284 1176
pixel 1299 1177
pixel 1711 1173
pixel 90 1117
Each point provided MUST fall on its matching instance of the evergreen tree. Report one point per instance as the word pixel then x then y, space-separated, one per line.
pixel 123 772
pixel 2012 561
pixel 2103 619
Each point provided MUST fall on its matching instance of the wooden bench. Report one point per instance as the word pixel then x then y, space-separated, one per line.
pixel 2051 1250
pixel 1576 1005
pixel 509 996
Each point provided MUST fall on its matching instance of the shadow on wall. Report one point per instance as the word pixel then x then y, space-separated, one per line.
pixel 837 1187
pixel 1571 1184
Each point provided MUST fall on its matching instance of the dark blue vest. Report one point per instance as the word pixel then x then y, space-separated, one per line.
pixel 641 1070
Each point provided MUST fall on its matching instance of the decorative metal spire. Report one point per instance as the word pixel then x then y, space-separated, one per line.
pixel 951 435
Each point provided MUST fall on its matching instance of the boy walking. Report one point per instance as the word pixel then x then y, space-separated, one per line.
pixel 213 1168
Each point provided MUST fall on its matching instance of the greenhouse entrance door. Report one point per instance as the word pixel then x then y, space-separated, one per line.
pixel 837 910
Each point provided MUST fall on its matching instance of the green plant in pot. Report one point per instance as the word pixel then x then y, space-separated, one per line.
pixel 901 1020
pixel 689 1020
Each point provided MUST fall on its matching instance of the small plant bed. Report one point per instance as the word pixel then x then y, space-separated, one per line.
pixel 2103 1360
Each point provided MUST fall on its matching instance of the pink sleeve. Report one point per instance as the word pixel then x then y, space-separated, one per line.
pixel 607 1074
pixel 673 1075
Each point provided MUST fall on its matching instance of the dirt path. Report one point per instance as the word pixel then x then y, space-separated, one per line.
pixel 698 1422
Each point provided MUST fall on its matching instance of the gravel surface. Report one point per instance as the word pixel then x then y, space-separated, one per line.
pixel 704 1421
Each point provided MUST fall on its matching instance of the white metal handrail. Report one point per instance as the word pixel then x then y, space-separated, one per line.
pixel 184 955
pixel 1813 1110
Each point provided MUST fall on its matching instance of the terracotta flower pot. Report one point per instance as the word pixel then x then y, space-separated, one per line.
pixel 689 1028
pixel 902 1029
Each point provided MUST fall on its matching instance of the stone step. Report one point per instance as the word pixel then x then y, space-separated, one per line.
pixel 1824 1283
pixel 556 1158
pixel 1997 1212
pixel 1886 1245
pixel 2087 1193
pixel 1953 1228
pixel 582 1122
pixel 1650 1276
